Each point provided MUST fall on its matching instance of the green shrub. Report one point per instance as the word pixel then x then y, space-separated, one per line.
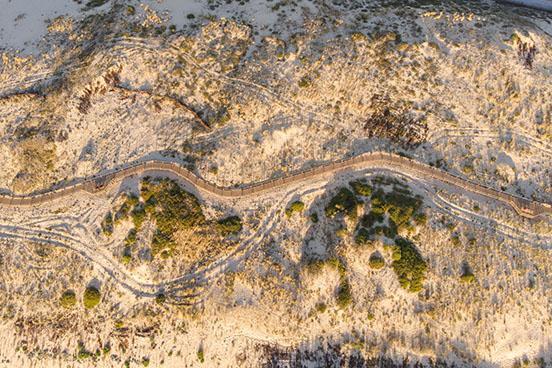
pixel 376 261
pixel 321 307
pixel 145 362
pixel 122 212
pixel 341 232
pixel 91 297
pixel 304 82
pixel 344 293
pixel 107 224
pixel 82 353
pixel 396 253
pixel 344 202
pixel 363 237
pixel 371 219
pixel 467 274
pixel 420 219
pixel 314 217
pixel 201 354
pixel 160 298
pixel 68 299
pixel 361 188
pixel 131 237
pixel 455 239
pixel 126 258
pixel 95 3
pixel 138 215
pixel 229 225
pixel 410 268
pixel 296 206
pixel 314 266
pixel 467 278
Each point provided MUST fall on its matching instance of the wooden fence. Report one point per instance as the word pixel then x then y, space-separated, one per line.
pixel 522 206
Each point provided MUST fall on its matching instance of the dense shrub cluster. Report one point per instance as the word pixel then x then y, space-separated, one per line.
pixel 344 202
pixel 172 208
pixel 409 266
pixel 361 188
pixel 399 208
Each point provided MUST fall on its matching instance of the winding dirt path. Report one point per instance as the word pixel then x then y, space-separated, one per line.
pixel 523 206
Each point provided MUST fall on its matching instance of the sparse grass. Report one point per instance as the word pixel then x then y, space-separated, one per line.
pixel 410 268
pixel 68 299
pixel 294 207
pixel 91 297
pixel 229 225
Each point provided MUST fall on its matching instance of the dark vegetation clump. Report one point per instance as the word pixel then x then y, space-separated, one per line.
pixel 394 122
pixel 399 208
pixel 409 267
pixel 107 224
pixel 343 203
pixel 376 261
pixel 229 225
pixel 95 3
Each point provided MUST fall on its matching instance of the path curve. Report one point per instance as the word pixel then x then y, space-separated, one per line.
pixel 523 206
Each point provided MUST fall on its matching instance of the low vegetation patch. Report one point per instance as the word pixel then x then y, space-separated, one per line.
pixel 229 225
